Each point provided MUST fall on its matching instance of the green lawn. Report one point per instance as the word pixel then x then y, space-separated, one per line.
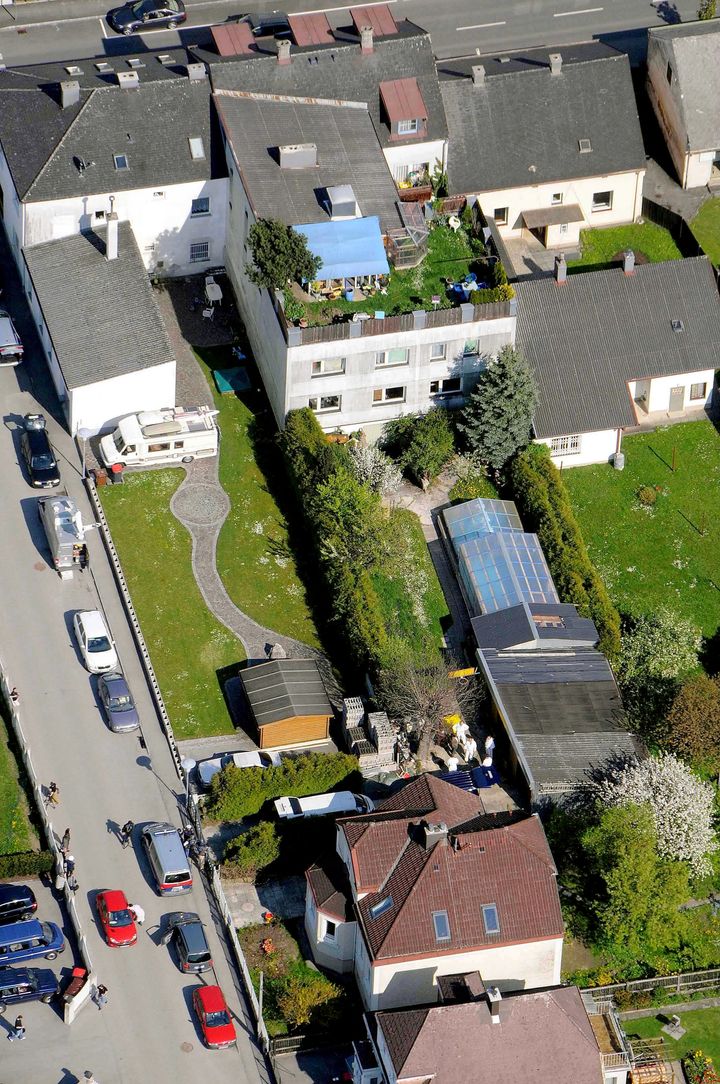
pixel 702 1032
pixel 666 555
pixel 601 246
pixel 706 227
pixel 255 552
pixel 187 645
pixel 16 833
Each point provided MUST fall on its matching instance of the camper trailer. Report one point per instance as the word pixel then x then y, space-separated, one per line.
pixel 175 435
pixel 64 529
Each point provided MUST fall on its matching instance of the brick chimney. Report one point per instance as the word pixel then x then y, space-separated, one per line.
pixel 283 51
pixel 555 63
pixel 111 240
pixel 69 92
pixel 494 998
pixel 366 39
pixel 629 262
pixel 478 74
pixel 560 270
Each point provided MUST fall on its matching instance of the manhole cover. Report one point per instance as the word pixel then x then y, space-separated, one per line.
pixel 200 504
pixel 39 566
pixel 187 1048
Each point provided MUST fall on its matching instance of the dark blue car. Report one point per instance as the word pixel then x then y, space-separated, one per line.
pixel 26 984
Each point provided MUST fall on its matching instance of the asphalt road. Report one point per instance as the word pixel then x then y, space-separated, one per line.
pixel 147 1030
pixel 75 29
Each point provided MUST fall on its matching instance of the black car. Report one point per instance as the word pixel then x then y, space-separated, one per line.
pixel 188 934
pixel 38 454
pixel 26 984
pixel 17 903
pixel 146 14
pixel 274 24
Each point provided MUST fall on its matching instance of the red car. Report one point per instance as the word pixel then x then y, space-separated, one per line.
pixel 214 1016
pixel 116 919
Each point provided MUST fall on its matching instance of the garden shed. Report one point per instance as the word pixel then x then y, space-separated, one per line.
pixel 288 702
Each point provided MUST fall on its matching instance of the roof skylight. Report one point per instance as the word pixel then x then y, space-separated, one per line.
pixel 441 922
pixel 490 918
pixel 380 908
pixel 121 161
pixel 197 149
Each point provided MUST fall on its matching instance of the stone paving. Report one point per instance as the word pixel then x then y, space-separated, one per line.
pixel 285 898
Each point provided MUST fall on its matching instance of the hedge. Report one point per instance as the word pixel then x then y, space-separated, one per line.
pixel 240 792
pixel 543 502
pixel 25 864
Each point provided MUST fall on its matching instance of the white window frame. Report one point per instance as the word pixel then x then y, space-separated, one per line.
pixel 196 258
pixel 438 351
pixel 703 394
pixel 442 916
pixel 200 214
pixel 442 390
pixel 603 205
pixel 382 357
pixel 501 216
pixel 119 158
pixel 408 127
pixel 383 393
pixel 472 353
pixel 569 445
pixel 490 907
pixel 318 400
pixel 320 367
pixel 556 199
pixel 327 935
pixel 197 148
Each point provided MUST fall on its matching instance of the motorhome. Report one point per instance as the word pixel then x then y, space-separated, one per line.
pixel 319 805
pixel 65 532
pixel 177 434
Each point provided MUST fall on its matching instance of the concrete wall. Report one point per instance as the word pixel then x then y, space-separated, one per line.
pixel 693 169
pixel 160 217
pixel 594 448
pixel 626 201
pixel 99 406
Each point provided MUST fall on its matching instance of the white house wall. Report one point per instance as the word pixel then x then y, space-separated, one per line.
pixel 12 215
pixel 430 152
pixel 596 447
pixel 661 386
pixel 336 953
pixel 99 406
pixel 160 217
pixel 626 201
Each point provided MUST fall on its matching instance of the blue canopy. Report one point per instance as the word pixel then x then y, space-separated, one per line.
pixel 347 249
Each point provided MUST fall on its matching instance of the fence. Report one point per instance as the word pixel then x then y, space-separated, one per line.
pixel 684 982
pixel 676 226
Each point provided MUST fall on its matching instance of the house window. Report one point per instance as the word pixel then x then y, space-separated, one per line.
pixel 437 351
pixel 441 923
pixel 199 252
pixel 698 391
pixel 158 195
pixel 407 127
pixel 563 227
pixel 490 918
pixel 197 150
pixel 121 161
pixel 388 395
pixel 322 404
pixel 398 356
pixel 471 348
pixel 669 74
pixel 565 445
pixel 330 930
pixel 200 206
pixel 328 366
pixel 451 385
pixel 556 199
pixel 500 214
pixel 99 216
pixel 602 201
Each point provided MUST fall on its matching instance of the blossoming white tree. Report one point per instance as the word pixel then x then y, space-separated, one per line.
pixel 375 469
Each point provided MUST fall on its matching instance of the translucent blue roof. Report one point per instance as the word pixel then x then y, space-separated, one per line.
pixel 347 248
pixel 503 569
pixel 474 519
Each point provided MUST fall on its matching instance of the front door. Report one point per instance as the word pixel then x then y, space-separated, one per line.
pixel 677 399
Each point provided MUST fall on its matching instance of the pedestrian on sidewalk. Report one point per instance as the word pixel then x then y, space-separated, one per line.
pixel 100 996
pixel 53 794
pixel 65 842
pixel 69 865
pixel 137 913
pixel 126 833
pixel 72 883
pixel 14 695
pixel 18 1030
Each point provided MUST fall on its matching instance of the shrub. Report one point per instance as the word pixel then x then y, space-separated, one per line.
pixel 472 482
pixel 699 1068
pixel 647 496
pixel 422 444
pixel 294 309
pixel 249 854
pixel 279 253
pixel 303 992
pixel 692 727
pixel 375 469
pixel 25 864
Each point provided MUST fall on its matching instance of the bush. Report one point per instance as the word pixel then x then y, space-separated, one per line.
pixel 249 854
pixel 647 496
pixel 422 444
pixel 544 506
pixel 25 864
pixel 699 1068
pixel 240 792
pixel 303 992
pixel 472 482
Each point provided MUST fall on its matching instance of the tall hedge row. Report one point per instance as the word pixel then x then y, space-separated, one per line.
pixel 544 505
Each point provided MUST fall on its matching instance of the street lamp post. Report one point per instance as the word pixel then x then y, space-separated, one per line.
pixel 84 435
pixel 187 766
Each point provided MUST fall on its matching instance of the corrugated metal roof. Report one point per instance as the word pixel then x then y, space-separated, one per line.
pixel 311 29
pixel 284 688
pixel 380 18
pixel 233 40
pixel 402 100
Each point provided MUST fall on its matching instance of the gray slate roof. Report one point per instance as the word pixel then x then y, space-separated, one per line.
pixel 523 125
pixel 516 625
pixel 347 152
pixel 694 49
pixel 340 71
pixel 284 688
pixel 151 124
pixel 587 338
pixel 100 314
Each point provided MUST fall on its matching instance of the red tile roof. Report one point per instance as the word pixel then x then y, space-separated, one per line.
pixel 380 18
pixel 311 29
pixel 233 40
pixel 402 100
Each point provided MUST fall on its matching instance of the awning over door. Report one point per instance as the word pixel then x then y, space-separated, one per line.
pixel 553 216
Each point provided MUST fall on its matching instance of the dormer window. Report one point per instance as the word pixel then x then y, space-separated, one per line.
pixel 408 127
pixel 405 111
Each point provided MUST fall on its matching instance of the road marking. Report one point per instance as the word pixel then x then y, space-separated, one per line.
pixel 51 22
pixel 479 26
pixel 584 11
pixel 102 27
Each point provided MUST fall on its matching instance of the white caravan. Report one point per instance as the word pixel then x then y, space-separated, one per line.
pixel 162 436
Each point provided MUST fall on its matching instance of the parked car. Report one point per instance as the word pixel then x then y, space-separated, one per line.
pixel 167 857
pixel 17 903
pixel 19 984
pixel 40 461
pixel 319 805
pixel 27 940
pixel 118 702
pixel 187 933
pixel 11 348
pixel 271 24
pixel 95 642
pixel 147 14
pixel 116 918
pixel 213 1016
pixel 257 758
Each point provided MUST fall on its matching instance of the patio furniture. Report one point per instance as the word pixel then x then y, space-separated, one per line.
pixel 208 313
pixel 213 293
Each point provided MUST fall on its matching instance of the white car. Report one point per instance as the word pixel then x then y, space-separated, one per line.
pixel 95 642
pixel 11 348
pixel 206 769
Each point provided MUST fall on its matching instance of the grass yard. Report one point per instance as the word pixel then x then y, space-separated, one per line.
pixel 665 555
pixel 255 556
pixel 16 833
pixel 706 227
pixel 702 1032
pixel 600 247
pixel 187 645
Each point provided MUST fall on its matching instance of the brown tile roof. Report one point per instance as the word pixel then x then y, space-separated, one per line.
pixel 330 888
pixel 542 1035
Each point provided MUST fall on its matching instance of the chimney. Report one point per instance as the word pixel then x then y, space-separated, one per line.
pixel 283 54
pixel 128 79
pixel 629 262
pixel 478 74
pixel 196 72
pixel 69 92
pixel 555 63
pixel 432 834
pixel 366 39
pixel 111 241
pixel 560 270
pixel 494 998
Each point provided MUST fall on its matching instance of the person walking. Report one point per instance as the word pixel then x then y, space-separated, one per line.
pixel 137 913
pixel 53 794
pixel 65 841
pixel 18 1030
pixel 100 996
pixel 14 695
pixel 126 833
pixel 69 865
pixel 72 883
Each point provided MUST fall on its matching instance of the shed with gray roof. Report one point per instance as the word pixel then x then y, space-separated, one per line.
pixel 288 702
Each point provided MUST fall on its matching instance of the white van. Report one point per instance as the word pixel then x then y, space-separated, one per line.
pixel 162 436
pixel 318 805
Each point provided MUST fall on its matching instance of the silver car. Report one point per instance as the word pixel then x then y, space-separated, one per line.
pixel 11 348
pixel 256 758
pixel 118 703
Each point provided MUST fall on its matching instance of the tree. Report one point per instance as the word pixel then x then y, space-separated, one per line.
pixel 421 444
pixel 375 469
pixel 707 9
pixel 253 851
pixel 279 255
pixel 348 519
pixel 692 727
pixel 497 419
pixel 681 804
pixel 657 650
pixel 303 993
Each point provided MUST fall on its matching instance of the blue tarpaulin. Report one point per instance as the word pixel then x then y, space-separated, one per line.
pixel 347 249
